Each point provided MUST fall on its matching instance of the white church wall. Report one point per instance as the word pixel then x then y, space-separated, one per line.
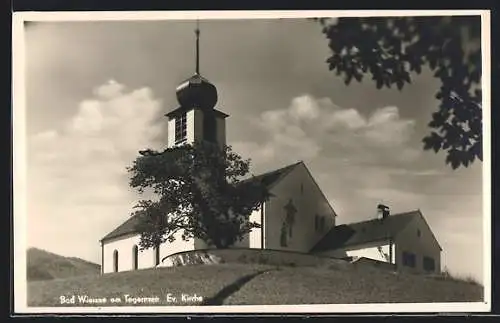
pixel 146 258
pixel 124 246
pixel 299 187
pixel 417 238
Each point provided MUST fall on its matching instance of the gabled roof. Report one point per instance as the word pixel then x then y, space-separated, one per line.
pixel 359 233
pixel 273 177
pixel 269 179
pixel 126 227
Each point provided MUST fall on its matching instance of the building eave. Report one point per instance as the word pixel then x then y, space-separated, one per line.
pixel 354 246
pixel 118 237
pixel 179 110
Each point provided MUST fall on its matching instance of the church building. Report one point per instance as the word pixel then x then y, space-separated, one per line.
pixel 298 217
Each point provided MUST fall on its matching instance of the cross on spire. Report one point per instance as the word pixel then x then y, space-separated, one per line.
pixel 197 32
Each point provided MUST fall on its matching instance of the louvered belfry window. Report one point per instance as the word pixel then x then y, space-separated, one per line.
pixel 181 128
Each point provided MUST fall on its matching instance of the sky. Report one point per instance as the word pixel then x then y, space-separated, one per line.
pixel 96 94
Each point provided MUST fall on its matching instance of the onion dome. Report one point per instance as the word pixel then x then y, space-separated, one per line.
pixel 197 92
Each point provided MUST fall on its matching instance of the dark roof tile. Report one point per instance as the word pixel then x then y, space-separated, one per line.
pixel 346 235
pixel 271 178
pixel 127 227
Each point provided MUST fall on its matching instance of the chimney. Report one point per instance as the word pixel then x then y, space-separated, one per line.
pixel 382 211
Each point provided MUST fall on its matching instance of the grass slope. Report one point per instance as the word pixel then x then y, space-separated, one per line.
pixel 44 265
pixel 203 280
pixel 237 284
pixel 306 285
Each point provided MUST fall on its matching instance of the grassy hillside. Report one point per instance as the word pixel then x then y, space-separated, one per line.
pixel 44 265
pixel 211 282
pixel 230 284
pixel 308 285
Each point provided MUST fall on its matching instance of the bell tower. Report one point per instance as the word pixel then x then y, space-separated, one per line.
pixel 196 118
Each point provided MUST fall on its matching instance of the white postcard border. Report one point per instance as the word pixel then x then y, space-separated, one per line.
pixel 19 161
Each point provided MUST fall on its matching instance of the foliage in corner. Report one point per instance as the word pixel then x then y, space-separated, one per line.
pixel 391 49
pixel 200 193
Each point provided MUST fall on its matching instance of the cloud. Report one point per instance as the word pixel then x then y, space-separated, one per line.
pixel 110 90
pixel 386 128
pixel 312 126
pixel 77 173
pixel 351 155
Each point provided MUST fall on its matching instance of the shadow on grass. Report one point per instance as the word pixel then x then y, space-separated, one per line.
pixel 220 297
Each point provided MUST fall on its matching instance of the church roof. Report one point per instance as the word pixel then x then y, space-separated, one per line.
pixel 346 235
pixel 198 92
pixel 269 179
pixel 127 227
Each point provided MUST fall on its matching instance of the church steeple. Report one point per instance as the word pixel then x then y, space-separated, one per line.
pixel 197 91
pixel 197 32
pixel 196 118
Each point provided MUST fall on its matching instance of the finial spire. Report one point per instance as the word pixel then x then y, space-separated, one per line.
pixel 197 32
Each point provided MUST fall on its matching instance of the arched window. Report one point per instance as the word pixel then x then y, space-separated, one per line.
pixel 115 261
pixel 157 255
pixel 135 257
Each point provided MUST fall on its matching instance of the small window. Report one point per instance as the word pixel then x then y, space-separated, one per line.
pixel 429 264
pixel 419 233
pixel 301 188
pixel 135 257
pixel 181 128
pixel 115 261
pixel 409 259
